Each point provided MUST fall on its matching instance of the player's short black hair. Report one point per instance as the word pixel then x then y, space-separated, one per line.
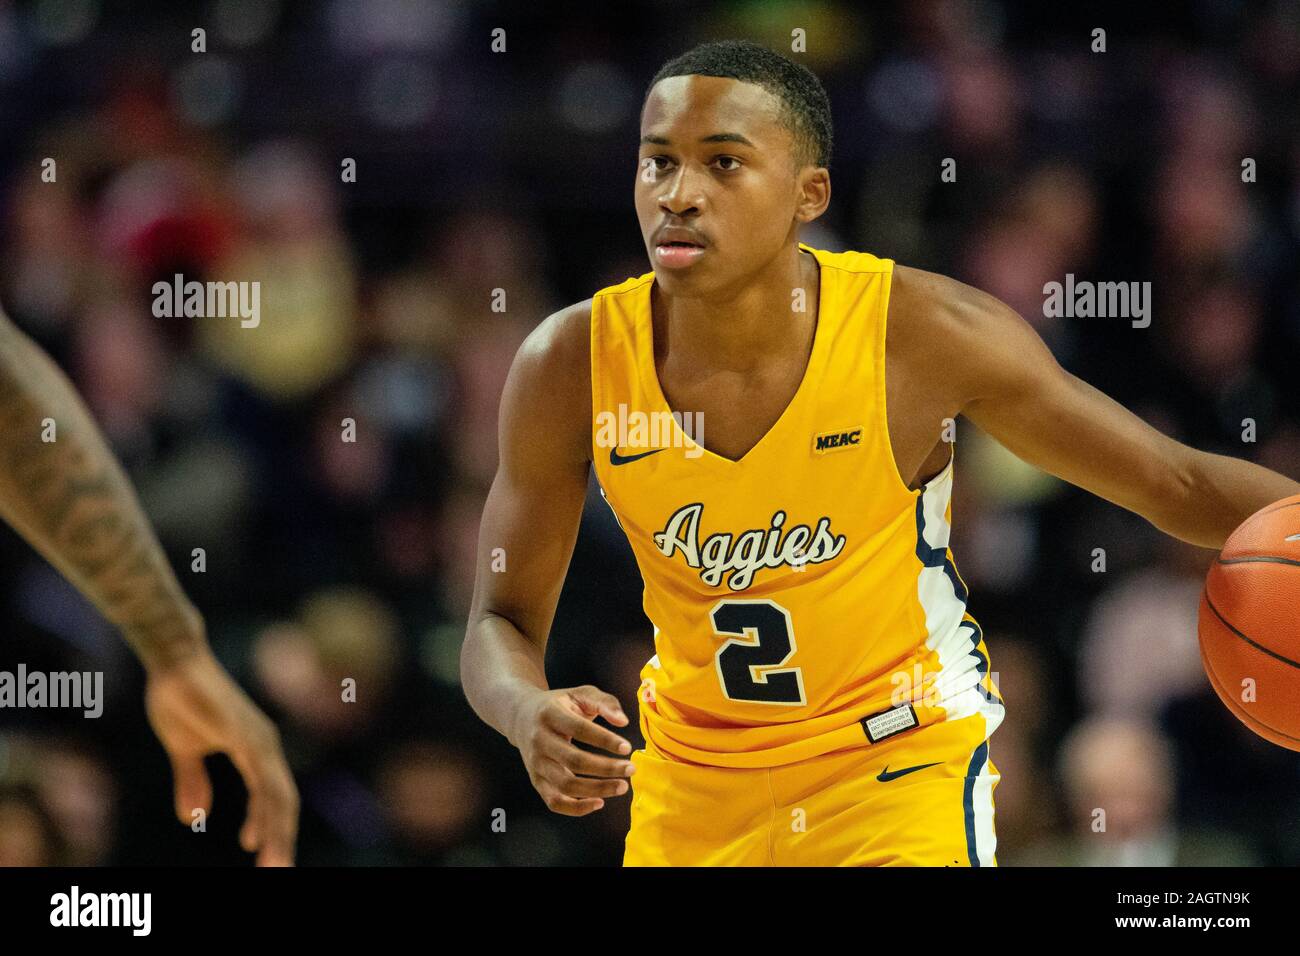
pixel 807 109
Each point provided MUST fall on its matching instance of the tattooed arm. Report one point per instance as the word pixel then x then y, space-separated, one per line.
pixel 69 498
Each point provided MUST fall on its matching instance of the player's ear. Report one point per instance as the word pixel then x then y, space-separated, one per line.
pixel 814 185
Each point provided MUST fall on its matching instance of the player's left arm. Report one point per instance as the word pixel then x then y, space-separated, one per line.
pixel 65 493
pixel 1007 382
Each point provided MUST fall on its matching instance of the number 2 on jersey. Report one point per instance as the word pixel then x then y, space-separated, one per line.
pixel 750 663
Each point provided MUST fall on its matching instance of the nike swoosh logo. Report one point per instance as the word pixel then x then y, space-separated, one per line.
pixel 887 775
pixel 616 459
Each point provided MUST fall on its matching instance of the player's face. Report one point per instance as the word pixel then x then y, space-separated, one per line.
pixel 716 168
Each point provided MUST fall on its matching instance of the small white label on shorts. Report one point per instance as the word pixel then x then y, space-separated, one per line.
pixel 889 722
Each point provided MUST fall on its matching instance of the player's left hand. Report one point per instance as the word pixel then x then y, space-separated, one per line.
pixel 197 709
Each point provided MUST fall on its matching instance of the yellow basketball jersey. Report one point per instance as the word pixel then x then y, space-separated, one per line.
pixel 804 599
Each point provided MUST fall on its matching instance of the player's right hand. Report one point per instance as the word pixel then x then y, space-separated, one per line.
pixel 572 781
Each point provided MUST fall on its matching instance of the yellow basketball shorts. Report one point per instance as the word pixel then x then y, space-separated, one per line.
pixel 923 798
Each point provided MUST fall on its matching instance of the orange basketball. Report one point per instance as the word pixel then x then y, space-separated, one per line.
pixel 1250 623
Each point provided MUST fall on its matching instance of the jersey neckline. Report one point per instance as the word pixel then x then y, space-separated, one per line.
pixel 811 371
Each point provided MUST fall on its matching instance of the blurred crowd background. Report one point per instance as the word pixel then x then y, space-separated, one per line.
pixel 478 170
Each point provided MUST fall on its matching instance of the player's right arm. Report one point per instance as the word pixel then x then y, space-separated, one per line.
pixel 526 538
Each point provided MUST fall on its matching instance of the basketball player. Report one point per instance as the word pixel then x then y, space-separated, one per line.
pixel 820 694
pixel 71 501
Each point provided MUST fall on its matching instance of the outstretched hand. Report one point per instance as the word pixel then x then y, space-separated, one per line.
pixel 197 709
